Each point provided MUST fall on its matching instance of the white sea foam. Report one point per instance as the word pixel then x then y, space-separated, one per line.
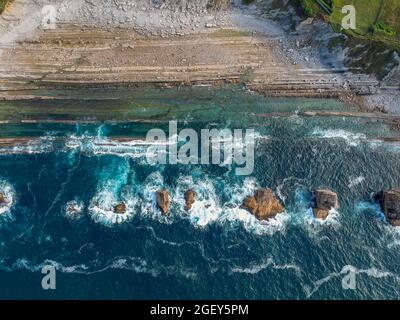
pixel 136 264
pixel 102 209
pixel 43 144
pixel 210 208
pixel 268 264
pixel 371 272
pixel 74 208
pixel 97 145
pixel 356 181
pixel 352 139
pixel 207 207
pixel 303 216
pixel 146 193
pixel 236 216
pixel 9 197
pixel 111 192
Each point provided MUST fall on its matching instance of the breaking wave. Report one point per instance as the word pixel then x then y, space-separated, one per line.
pixel 74 209
pixel 8 193
pixel 352 139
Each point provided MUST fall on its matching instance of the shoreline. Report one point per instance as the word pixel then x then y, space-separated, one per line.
pixel 237 46
pixel 198 48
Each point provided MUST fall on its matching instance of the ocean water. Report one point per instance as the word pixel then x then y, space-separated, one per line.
pixel 216 251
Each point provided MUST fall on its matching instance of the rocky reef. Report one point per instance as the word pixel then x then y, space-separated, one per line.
pixel 120 208
pixel 163 202
pixel 391 206
pixel 73 209
pixel 263 205
pixel 190 199
pixel 325 200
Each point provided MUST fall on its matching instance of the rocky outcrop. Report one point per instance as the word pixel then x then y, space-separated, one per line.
pixel 120 208
pixel 391 206
pixel 163 202
pixel 263 205
pixel 190 199
pixel 2 200
pixel 325 201
pixel 72 210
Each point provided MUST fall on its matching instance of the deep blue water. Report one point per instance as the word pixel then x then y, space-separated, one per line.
pixel 218 251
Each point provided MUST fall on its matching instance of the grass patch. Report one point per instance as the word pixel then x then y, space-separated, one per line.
pixel 229 33
pixel 377 20
pixel 381 28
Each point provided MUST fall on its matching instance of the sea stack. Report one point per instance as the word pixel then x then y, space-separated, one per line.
pixel 162 200
pixel 325 200
pixel 120 208
pixel 190 198
pixel 263 205
pixel 391 206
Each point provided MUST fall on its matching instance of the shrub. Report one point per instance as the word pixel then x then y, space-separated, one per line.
pixel 381 28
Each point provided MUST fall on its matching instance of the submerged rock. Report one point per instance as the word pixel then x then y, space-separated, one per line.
pixel 263 205
pixel 391 206
pixel 162 200
pixel 325 201
pixel 2 200
pixel 73 209
pixel 190 198
pixel 120 208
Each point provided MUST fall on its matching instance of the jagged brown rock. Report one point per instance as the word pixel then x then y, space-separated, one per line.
pixel 163 202
pixel 190 198
pixel 2 200
pixel 120 208
pixel 391 206
pixel 325 200
pixel 263 205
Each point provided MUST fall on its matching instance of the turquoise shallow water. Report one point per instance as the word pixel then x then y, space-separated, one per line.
pixel 217 251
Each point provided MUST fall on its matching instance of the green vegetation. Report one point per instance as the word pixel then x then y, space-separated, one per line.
pixel 247 2
pixel 378 27
pixel 376 19
pixel 309 7
pixel 229 33
pixel 3 4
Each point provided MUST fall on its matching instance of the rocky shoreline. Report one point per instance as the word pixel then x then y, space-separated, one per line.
pixel 161 47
